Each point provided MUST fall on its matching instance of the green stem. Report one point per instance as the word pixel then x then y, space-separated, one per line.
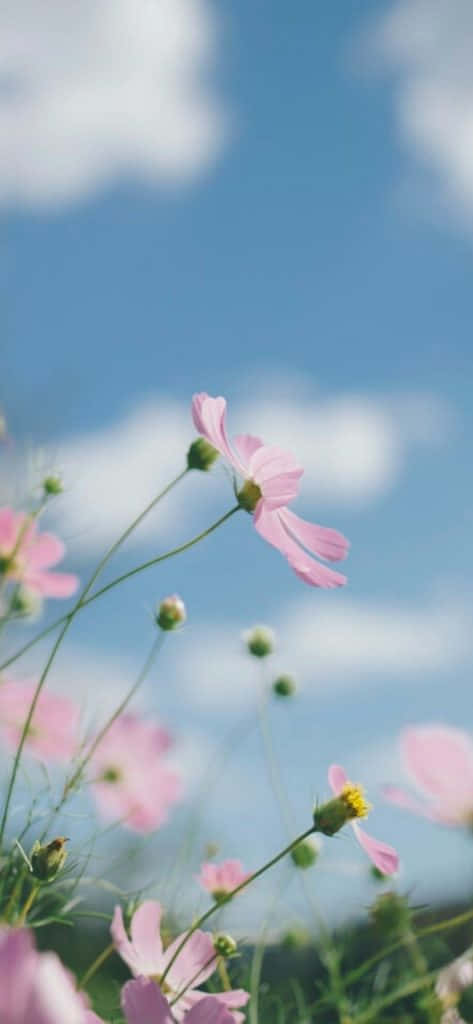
pixel 243 885
pixel 70 617
pixel 406 990
pixel 28 904
pixel 114 583
pixel 96 964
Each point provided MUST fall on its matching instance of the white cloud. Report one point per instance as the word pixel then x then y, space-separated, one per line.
pixel 96 90
pixel 427 44
pixel 330 647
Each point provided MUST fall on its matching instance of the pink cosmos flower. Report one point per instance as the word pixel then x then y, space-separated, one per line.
pixel 220 879
pixel 384 857
pixel 439 760
pixel 54 729
pixel 27 555
pixel 195 963
pixel 271 481
pixel 34 987
pixel 143 1003
pixel 131 780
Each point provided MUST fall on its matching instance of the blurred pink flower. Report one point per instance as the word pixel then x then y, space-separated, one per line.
pixel 220 879
pixel 195 963
pixel 27 555
pixel 34 987
pixel 439 761
pixel 130 777
pixel 143 1003
pixel 53 733
pixel 384 857
pixel 271 480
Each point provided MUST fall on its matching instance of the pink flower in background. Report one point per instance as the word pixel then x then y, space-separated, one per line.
pixel 34 987
pixel 27 555
pixel 220 879
pixel 197 960
pixel 143 1003
pixel 53 733
pixel 130 778
pixel 439 761
pixel 271 480
pixel 384 857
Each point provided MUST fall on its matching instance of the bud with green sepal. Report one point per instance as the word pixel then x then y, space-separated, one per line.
pixel 305 854
pixel 391 913
pixel 260 641
pixel 25 603
pixel 225 945
pixel 332 816
pixel 47 861
pixel 249 496
pixel 201 455
pixel 52 485
pixel 171 613
pixel 284 686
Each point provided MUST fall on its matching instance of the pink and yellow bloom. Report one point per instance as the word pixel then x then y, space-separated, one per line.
pixel 220 879
pixel 35 988
pixel 270 478
pixel 195 962
pixel 26 556
pixel 143 1003
pixel 53 732
pixel 347 807
pixel 131 780
pixel 439 761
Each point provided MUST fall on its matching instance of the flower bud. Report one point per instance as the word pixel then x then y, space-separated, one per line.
pixel 171 613
pixel 260 641
pixel 391 913
pixel 284 686
pixel 25 602
pixel 333 815
pixel 201 455
pixel 47 860
pixel 225 945
pixel 296 938
pixel 53 485
pixel 305 854
pixel 249 495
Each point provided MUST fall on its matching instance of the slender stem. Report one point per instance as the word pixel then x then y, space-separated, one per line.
pixel 114 583
pixel 28 904
pixel 405 990
pixel 155 648
pixel 223 974
pixel 243 885
pixel 96 964
pixel 81 602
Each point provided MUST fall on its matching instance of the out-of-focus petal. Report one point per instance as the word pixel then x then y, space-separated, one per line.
pixel 8 529
pixel 142 1002
pixel 336 778
pixel 195 962
pixel 439 759
pixel 400 797
pixel 384 857
pixel 51 584
pixel 321 540
pixel 209 1010
pixel 45 550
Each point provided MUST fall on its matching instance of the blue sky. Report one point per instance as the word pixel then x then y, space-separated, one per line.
pixel 310 258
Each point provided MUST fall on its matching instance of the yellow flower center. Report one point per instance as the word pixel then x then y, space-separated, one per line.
pixel 249 495
pixel 354 800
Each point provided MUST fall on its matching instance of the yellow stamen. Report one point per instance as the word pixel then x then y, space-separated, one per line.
pixel 354 800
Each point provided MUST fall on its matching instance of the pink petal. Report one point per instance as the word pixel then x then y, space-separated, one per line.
pixel 245 445
pixel 208 1010
pixel 142 1002
pixel 145 932
pixel 384 857
pixel 45 550
pixel 234 998
pixel 439 759
pixel 209 415
pixel 194 964
pixel 336 778
pixel 400 797
pixel 270 527
pixel 321 540
pixel 8 529
pixel 92 1018
pixel 123 946
pixel 51 584
pixel 276 473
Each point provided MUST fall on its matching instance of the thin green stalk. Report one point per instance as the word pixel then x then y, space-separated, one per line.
pixel 43 677
pixel 243 885
pixel 406 990
pixel 96 964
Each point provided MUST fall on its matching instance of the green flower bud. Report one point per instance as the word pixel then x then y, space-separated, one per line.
pixel 260 641
pixel 47 860
pixel 225 945
pixel 305 854
pixel 25 602
pixel 284 686
pixel 249 495
pixel 53 485
pixel 171 613
pixel 296 938
pixel 201 455
pixel 391 913
pixel 332 816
